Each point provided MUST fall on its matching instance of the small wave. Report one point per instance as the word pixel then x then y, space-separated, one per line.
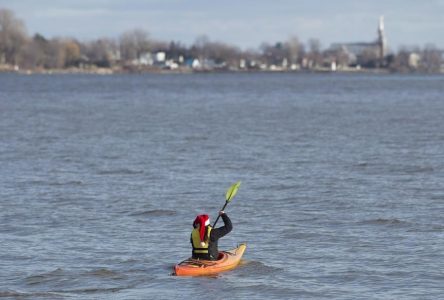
pixel 272 290
pixel 44 277
pixel 45 141
pixel 73 182
pixel 94 290
pixel 120 172
pixel 413 169
pixel 105 273
pixel 112 157
pixel 419 169
pixel 277 187
pixel 409 226
pixel 130 261
pixel 387 222
pixel 33 182
pixel 428 228
pixel 32 295
pixel 292 235
pixel 437 228
pixel 196 138
pixel 155 213
pixel 258 267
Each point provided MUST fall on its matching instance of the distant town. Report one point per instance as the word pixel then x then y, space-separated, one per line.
pixel 135 52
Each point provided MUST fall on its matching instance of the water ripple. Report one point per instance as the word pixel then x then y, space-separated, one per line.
pixel 154 213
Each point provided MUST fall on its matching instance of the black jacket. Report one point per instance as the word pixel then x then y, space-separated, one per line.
pixel 215 235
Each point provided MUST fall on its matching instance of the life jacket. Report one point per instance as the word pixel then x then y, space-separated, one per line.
pixel 195 238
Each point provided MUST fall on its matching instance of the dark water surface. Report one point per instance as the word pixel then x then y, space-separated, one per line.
pixel 102 176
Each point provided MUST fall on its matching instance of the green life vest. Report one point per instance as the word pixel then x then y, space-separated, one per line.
pixel 195 238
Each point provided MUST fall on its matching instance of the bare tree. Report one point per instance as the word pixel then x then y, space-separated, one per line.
pixel 369 58
pixel 341 57
pixel 401 61
pixel 314 46
pixel 157 45
pixel 273 54
pixel 133 43
pixel 176 49
pixel 222 52
pixel 253 57
pixel 430 59
pixel 12 37
pixel 200 47
pixel 294 50
pixel 315 55
pixel 36 52
pixel 102 52
pixel 56 54
pixel 72 53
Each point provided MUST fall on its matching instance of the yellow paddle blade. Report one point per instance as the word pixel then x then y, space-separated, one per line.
pixel 232 190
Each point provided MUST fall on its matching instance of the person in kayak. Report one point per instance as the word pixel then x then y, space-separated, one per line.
pixel 204 238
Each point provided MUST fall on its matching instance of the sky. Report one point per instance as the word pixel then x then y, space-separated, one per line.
pixel 245 23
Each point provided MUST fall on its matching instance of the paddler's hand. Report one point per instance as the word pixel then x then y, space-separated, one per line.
pixel 221 213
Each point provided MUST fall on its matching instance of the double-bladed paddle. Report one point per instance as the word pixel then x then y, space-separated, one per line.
pixel 229 195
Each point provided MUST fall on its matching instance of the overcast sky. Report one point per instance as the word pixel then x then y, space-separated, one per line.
pixel 246 23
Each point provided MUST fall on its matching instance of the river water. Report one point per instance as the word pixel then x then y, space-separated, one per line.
pixel 342 193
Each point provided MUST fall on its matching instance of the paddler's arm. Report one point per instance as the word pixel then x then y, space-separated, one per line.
pixel 217 233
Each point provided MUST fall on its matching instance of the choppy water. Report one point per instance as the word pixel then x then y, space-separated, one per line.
pixel 102 176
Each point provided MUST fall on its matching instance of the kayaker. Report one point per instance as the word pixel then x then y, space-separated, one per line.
pixel 204 238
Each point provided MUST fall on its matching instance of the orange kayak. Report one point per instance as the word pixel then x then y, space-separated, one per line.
pixel 228 260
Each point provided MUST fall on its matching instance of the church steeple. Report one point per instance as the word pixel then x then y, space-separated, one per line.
pixel 382 42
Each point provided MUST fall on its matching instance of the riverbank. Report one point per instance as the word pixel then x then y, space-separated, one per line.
pixel 186 70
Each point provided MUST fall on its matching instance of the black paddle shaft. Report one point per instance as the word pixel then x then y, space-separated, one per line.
pixel 217 219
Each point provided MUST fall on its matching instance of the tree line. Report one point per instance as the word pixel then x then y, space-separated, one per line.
pixel 128 51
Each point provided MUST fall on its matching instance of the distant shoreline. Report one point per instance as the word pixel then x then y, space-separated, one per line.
pixel 118 71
